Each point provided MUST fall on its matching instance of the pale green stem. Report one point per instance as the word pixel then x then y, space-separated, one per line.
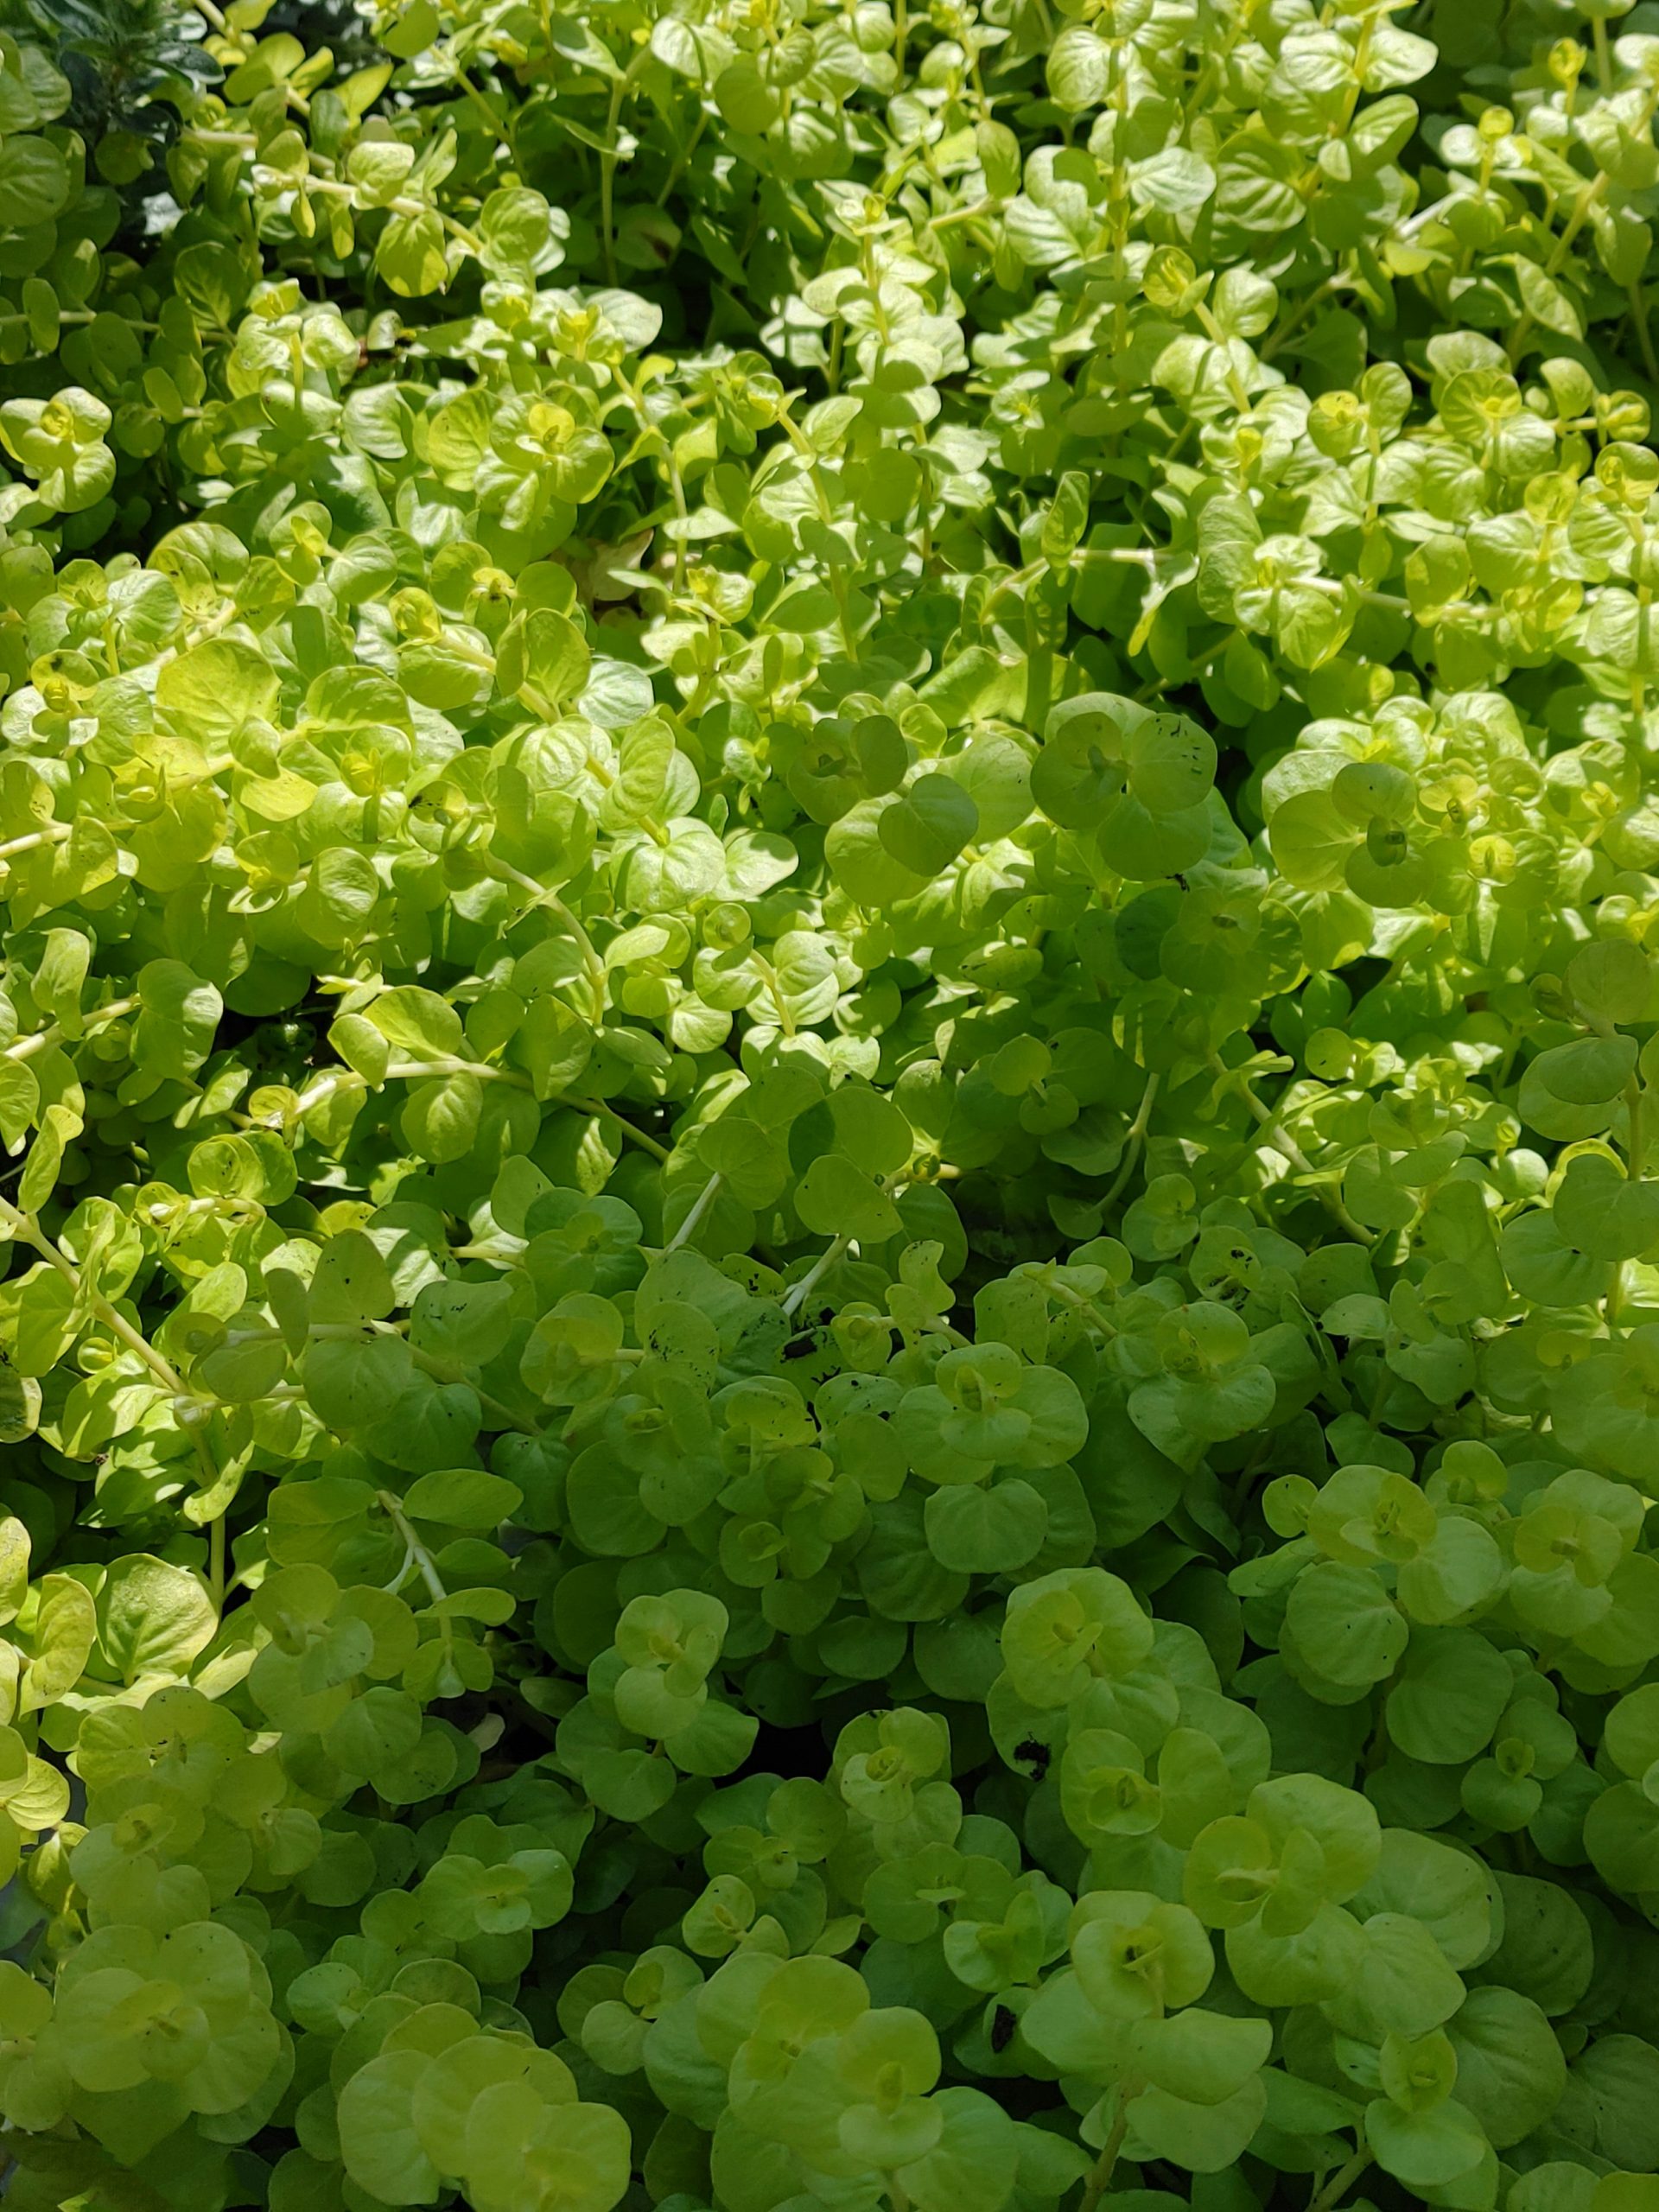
pixel 1100 2174
pixel 1334 2190
pixel 26 1047
pixel 415 1552
pixel 1132 1139
pixel 797 1294
pixel 1289 1149
pixel 689 1227
pixel 25 1225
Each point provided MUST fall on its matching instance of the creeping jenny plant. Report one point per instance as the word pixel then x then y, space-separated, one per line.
pixel 830 1051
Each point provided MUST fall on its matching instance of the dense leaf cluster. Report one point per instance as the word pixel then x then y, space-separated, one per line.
pixel 829 1045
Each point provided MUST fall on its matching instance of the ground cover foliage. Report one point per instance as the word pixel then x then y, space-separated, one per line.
pixel 829 1042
